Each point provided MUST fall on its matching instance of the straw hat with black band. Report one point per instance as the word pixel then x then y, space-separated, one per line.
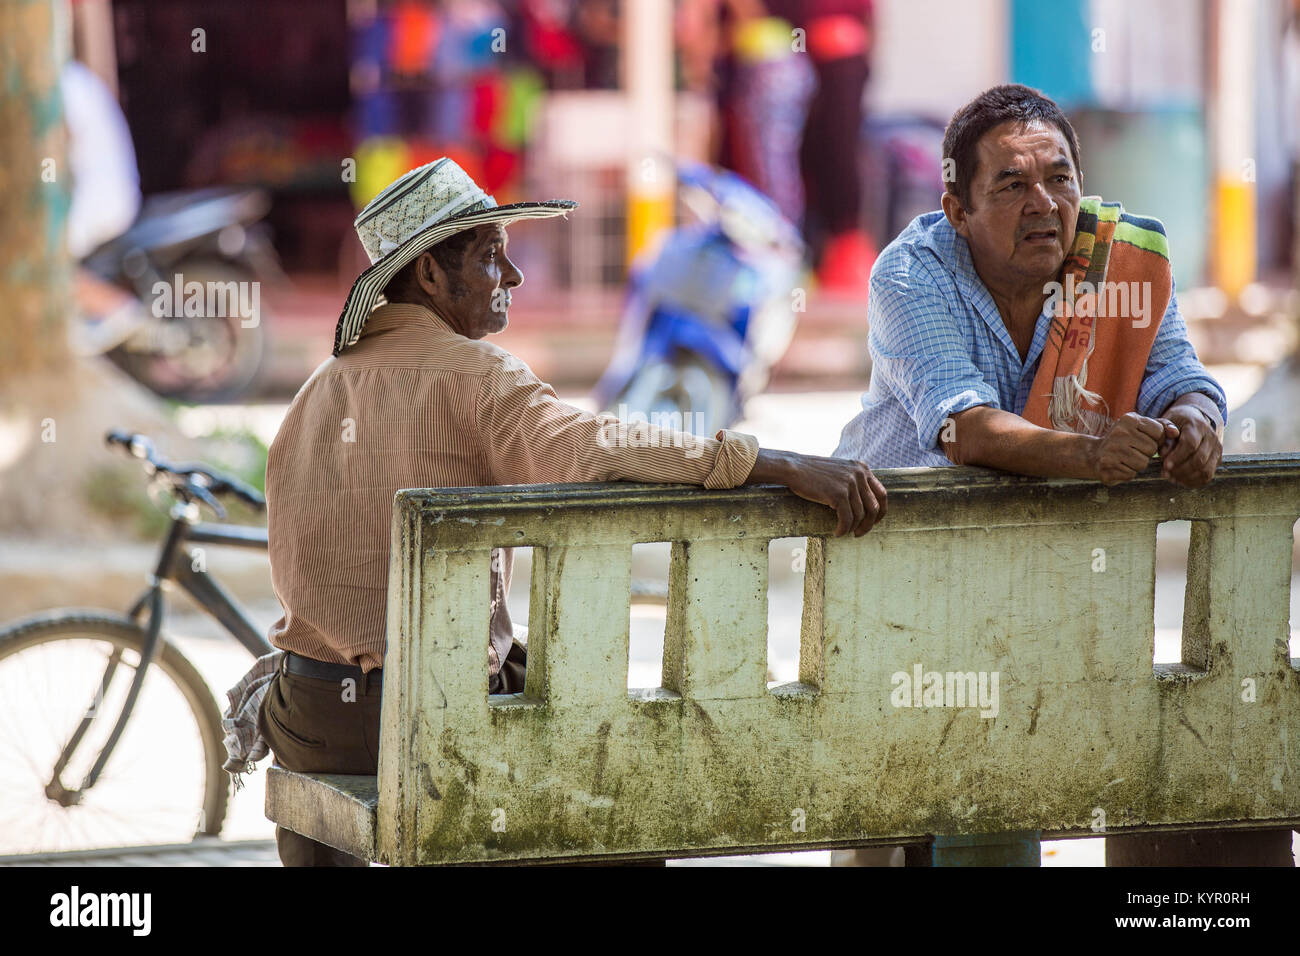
pixel 414 212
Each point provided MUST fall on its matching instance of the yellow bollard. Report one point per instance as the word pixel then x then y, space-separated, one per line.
pixel 1234 234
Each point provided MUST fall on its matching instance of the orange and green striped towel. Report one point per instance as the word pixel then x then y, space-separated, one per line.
pixel 1113 291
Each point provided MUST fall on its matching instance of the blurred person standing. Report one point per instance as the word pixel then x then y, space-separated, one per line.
pixel 838 36
pixel 105 180
pixel 105 200
pixel 752 59
pixel 773 86
pixel 596 25
pixel 790 85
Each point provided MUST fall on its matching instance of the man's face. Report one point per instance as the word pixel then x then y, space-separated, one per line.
pixel 475 299
pixel 1024 204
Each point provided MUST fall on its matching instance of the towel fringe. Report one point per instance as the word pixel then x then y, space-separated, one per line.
pixel 1066 408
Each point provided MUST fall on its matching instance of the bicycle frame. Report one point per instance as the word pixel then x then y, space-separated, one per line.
pixel 204 589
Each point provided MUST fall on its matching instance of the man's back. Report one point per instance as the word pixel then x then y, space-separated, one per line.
pixel 414 404
pixel 397 410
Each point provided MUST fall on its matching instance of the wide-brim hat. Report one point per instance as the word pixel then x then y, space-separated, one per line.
pixel 418 210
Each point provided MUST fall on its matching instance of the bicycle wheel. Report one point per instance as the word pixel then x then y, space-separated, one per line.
pixel 163 782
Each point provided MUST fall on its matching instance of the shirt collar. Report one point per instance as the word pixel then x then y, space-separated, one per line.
pixel 954 252
pixel 393 315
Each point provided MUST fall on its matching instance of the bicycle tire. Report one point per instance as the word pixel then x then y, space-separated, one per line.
pixel 75 624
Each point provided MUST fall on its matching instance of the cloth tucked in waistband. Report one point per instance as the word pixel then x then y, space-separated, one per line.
pixel 245 745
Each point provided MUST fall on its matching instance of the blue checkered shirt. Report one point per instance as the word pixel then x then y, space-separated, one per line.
pixel 939 346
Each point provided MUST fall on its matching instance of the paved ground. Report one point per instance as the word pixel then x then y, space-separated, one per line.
pixel 207 851
pixel 213 852
pixel 210 852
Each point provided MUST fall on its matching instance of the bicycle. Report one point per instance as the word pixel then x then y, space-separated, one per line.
pixel 83 720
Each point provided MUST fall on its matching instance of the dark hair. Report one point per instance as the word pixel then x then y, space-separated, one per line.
pixel 1010 102
pixel 449 254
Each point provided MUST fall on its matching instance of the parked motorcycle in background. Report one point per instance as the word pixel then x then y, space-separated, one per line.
pixel 710 313
pixel 188 319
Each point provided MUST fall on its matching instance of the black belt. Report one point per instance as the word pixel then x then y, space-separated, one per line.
pixel 301 666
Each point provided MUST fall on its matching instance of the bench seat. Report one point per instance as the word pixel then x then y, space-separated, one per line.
pixel 333 808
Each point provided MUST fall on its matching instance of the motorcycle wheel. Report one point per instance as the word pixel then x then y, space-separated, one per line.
pixel 686 393
pixel 199 358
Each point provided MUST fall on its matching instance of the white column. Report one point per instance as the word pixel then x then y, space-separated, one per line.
pixel 1234 146
pixel 648 80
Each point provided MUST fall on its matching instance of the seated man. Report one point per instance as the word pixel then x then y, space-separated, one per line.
pixel 414 398
pixel 1030 329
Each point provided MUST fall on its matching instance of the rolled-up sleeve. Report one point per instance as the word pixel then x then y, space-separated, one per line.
pixel 733 461
pixel 1173 368
pixel 922 357
pixel 529 436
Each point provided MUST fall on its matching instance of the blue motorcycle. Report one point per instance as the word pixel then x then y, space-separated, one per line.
pixel 710 313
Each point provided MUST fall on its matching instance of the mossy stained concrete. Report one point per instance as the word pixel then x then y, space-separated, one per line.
pixel 971 572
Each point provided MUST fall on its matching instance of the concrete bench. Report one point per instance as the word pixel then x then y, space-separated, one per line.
pixel 1039 590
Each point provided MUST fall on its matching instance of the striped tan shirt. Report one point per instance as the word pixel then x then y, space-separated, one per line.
pixel 415 405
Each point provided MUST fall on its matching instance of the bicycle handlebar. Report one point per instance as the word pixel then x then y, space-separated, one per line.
pixel 192 479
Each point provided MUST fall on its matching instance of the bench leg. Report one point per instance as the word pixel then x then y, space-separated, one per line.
pixel 1224 847
pixel 298 850
pixel 989 849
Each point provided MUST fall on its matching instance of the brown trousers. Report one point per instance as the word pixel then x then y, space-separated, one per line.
pixel 311 728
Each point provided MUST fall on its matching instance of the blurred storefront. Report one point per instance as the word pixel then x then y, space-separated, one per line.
pixel 322 102
pixel 253 94
pixel 1181 112
pixel 1182 106
pixel 1133 78
pixel 527 94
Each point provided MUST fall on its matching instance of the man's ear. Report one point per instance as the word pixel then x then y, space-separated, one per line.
pixel 956 213
pixel 429 275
